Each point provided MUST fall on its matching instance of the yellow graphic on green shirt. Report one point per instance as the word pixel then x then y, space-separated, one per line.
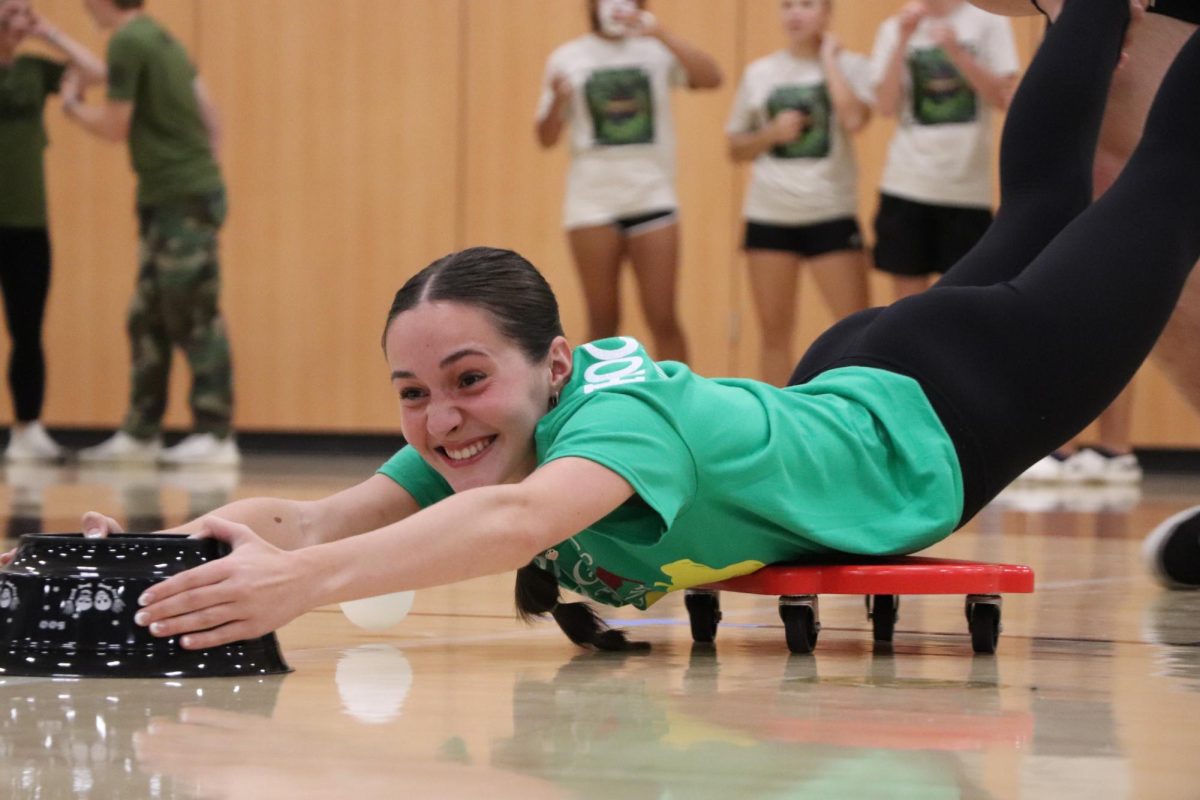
pixel 686 573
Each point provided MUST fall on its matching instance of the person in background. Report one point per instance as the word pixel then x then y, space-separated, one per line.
pixel 793 116
pixel 941 67
pixel 26 81
pixel 158 104
pixel 610 90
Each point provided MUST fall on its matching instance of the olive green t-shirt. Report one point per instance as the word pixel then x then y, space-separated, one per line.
pixel 730 474
pixel 24 86
pixel 168 142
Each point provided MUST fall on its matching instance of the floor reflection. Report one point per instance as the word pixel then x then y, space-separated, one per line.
pixel 73 738
pixel 599 729
pixel 134 494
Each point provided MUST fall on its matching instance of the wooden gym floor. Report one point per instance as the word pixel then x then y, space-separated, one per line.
pixel 1094 691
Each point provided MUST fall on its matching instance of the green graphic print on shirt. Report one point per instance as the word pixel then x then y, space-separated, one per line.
pixel 813 102
pixel 941 95
pixel 621 103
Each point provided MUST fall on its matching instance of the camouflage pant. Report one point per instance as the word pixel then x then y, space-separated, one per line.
pixel 175 304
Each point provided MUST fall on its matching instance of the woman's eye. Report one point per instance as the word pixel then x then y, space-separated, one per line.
pixel 411 394
pixel 470 379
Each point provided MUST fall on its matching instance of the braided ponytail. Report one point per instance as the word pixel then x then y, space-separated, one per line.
pixel 537 595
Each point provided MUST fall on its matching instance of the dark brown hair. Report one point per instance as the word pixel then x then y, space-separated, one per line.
pixel 523 306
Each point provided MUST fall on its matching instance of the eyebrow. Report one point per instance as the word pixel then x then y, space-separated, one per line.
pixel 457 355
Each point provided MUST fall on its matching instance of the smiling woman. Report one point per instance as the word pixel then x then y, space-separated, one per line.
pixel 605 472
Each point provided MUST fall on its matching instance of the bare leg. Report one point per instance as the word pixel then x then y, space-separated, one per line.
pixel 773 284
pixel 842 279
pixel 655 257
pixel 904 286
pixel 598 252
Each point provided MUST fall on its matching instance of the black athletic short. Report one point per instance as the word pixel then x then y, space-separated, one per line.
pixel 644 223
pixel 816 239
pixel 914 238
pixel 1183 10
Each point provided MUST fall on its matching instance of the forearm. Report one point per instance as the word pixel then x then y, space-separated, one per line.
pixel 94 120
pixel 889 95
pixel 284 523
pixel 549 128
pixel 996 90
pixel 477 532
pixel 702 69
pixel 749 146
pixel 852 113
pixel 91 68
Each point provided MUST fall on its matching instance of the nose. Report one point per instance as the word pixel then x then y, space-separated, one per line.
pixel 442 417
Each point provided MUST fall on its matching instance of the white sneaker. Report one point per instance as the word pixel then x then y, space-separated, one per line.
pixel 30 442
pixel 121 448
pixel 1172 550
pixel 1092 466
pixel 1124 469
pixel 1047 470
pixel 202 449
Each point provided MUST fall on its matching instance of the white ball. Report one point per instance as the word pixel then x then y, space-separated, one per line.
pixel 377 613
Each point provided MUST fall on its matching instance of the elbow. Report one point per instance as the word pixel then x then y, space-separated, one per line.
pixel 708 79
pixel 857 121
pixel 545 138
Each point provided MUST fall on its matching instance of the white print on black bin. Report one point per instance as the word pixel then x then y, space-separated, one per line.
pixel 617 366
pixel 9 601
pixel 98 597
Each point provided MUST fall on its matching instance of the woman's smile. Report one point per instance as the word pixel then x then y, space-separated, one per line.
pixel 461 455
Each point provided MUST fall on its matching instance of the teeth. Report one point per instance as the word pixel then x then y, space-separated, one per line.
pixel 467 452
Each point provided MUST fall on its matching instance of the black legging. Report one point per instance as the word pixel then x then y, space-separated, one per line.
pixel 1036 330
pixel 25 280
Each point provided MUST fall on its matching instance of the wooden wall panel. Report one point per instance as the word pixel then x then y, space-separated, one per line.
pixel 342 166
pixel 367 137
pixel 513 193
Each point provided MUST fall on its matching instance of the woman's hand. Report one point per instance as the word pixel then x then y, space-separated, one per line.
pixel 787 126
pixel 249 593
pixel 96 526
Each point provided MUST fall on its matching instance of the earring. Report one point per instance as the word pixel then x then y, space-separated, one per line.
pixel 554 401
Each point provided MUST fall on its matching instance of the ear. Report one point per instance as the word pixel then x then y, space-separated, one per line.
pixel 561 362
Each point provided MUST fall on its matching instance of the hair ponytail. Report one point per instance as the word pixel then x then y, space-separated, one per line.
pixel 537 595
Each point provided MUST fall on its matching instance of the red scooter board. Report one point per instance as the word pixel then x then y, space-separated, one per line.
pixel 881 581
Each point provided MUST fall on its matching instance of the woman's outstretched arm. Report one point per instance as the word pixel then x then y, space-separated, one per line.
pixel 483 531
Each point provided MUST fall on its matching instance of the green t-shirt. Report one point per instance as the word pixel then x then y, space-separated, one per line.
pixel 168 142
pixel 24 87
pixel 730 474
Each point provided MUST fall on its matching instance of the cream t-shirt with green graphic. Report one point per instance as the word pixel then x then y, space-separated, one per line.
pixel 733 474
pixel 621 131
pixel 815 178
pixel 941 152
